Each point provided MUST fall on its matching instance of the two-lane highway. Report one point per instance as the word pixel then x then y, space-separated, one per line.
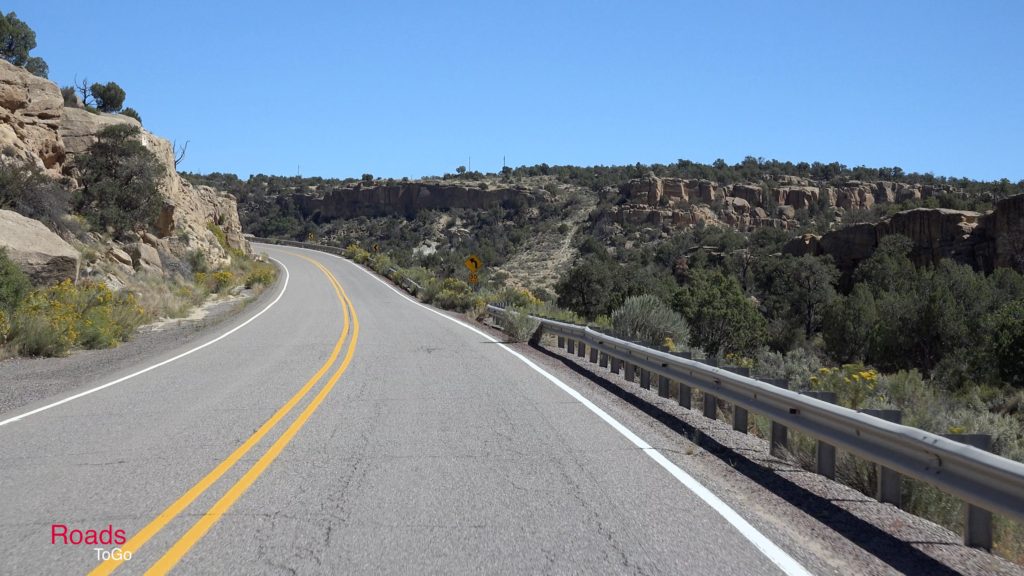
pixel 348 429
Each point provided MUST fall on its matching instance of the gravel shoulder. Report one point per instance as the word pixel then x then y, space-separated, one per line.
pixel 28 381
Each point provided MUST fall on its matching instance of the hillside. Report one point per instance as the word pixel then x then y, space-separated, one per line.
pixel 98 232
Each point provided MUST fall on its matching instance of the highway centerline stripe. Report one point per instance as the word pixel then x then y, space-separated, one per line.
pixel 214 514
pixel 284 287
pixel 151 529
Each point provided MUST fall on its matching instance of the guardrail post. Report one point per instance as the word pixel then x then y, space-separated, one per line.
pixel 629 369
pixel 739 413
pixel 825 463
pixel 685 392
pixel 663 386
pixel 645 379
pixel 977 521
pixel 593 355
pixel 570 346
pixel 710 402
pixel 778 439
pixel 888 480
pixel 616 365
pixel 602 360
pixel 561 341
pixel 581 349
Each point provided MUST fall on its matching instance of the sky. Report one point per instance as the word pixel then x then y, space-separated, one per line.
pixel 338 89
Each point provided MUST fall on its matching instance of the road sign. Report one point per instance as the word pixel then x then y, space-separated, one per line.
pixel 376 247
pixel 474 263
pixel 473 278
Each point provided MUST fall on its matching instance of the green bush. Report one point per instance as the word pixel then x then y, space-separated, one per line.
pixel 14 284
pixel 517 324
pixel 119 181
pixel 261 274
pixel 52 320
pixel 648 320
pixel 109 97
pixel 1006 342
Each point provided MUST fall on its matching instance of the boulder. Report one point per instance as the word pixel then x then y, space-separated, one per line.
pixel 45 257
pixel 145 257
pixel 120 256
pixel 30 115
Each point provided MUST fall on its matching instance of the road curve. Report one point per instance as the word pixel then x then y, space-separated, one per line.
pixel 348 429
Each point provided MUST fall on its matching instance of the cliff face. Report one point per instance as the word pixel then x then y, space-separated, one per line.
pixel 36 128
pixel 982 241
pixel 660 201
pixel 30 114
pixel 405 198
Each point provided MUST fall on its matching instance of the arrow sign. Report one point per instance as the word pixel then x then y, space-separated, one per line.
pixel 474 263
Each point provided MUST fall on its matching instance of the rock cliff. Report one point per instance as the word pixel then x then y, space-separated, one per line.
pixel 982 241
pixel 36 128
pixel 372 199
pixel 30 116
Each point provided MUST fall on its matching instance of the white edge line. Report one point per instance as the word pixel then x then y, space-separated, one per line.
pixel 777 555
pixel 284 287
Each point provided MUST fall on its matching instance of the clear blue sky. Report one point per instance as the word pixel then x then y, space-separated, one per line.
pixel 414 88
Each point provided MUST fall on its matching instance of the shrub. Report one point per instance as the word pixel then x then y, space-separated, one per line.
pixel 357 254
pixel 51 320
pixel 14 284
pixel 517 324
pixel 262 274
pixel 109 97
pixel 29 191
pixel 1006 342
pixel 221 280
pixel 119 181
pixel 132 113
pixel 70 95
pixel 648 320
pixel 796 366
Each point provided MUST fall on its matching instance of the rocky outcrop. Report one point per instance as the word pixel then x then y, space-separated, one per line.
pixel 45 257
pixel 30 115
pixel 187 209
pixel 402 198
pixel 982 241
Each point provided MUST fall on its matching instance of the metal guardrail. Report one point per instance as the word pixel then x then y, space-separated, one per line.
pixel 980 478
pixel 987 482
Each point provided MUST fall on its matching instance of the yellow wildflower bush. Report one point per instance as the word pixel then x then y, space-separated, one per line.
pixel 52 320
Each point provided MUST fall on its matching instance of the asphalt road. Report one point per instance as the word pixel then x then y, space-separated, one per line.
pixel 410 444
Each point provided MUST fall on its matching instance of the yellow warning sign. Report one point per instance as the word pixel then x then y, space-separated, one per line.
pixel 473 278
pixel 474 263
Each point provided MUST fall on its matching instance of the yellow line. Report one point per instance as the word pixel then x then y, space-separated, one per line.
pixel 214 514
pixel 151 529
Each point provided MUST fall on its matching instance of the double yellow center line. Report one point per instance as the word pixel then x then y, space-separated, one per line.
pixel 207 520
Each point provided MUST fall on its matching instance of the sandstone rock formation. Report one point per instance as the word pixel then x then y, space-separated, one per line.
pixel 30 115
pixel 404 198
pixel 187 209
pixel 36 128
pixel 982 241
pixel 45 257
